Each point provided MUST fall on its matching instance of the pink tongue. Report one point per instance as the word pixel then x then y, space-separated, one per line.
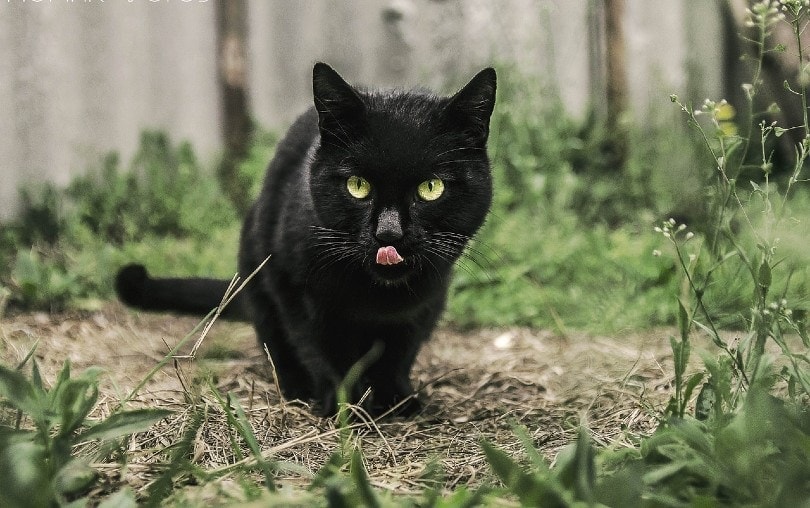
pixel 388 256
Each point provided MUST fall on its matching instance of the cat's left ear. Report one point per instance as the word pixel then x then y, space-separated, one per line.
pixel 469 110
pixel 338 104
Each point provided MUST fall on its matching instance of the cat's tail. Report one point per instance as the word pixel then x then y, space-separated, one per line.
pixel 192 296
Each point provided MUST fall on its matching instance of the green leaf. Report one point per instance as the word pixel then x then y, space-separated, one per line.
pixel 705 402
pixel 36 378
pixel 664 472
pixel 536 490
pixel 124 423
pixel 537 460
pixel 504 467
pixel 683 321
pixel 28 356
pixel 124 498
pixel 24 480
pixel 360 478
pixel 690 386
pixel 76 399
pixel 163 485
pixel 74 477
pixel 764 278
pixel 63 376
pixel 247 434
pixel 461 498
pixel 329 470
pixel 576 467
pixel 21 394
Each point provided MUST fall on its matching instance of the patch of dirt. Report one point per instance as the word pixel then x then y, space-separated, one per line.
pixel 475 385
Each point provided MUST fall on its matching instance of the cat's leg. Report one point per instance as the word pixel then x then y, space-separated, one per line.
pixel 322 375
pixel 389 378
pixel 292 376
pixel 329 351
pixel 329 358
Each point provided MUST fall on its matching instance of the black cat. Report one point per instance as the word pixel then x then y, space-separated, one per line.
pixel 369 200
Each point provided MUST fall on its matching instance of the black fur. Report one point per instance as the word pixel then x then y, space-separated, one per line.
pixel 322 301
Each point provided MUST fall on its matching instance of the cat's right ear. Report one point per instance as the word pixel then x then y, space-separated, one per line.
pixel 470 109
pixel 338 104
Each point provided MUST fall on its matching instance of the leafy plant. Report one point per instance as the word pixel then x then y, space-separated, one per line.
pixel 163 192
pixel 66 245
pixel 38 465
pixel 737 432
pixel 759 456
pixel 570 483
pixel 41 284
pixel 744 363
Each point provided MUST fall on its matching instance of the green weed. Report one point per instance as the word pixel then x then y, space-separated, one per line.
pixel 66 246
pixel 752 254
pixel 38 465
pixel 735 433
pixel 758 456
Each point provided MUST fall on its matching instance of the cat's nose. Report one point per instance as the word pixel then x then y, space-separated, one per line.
pixel 389 226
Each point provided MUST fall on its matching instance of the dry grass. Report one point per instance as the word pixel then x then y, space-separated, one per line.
pixel 475 385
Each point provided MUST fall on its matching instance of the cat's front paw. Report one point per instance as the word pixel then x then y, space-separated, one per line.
pixel 324 406
pixel 403 405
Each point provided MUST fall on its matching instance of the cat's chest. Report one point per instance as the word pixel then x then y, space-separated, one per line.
pixel 368 302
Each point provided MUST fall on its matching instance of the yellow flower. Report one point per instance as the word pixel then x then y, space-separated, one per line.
pixel 724 114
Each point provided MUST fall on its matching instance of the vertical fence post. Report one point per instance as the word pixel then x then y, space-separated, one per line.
pixel 616 79
pixel 237 125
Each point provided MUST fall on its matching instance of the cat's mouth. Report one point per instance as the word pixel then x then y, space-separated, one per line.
pixel 390 266
pixel 388 256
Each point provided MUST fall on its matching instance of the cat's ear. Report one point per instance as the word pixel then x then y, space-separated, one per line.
pixel 469 110
pixel 338 104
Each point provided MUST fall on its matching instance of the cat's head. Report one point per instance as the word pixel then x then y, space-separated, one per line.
pixel 400 179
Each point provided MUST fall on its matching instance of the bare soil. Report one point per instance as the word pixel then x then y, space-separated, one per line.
pixel 475 385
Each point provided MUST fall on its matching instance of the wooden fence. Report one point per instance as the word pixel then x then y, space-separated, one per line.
pixel 81 77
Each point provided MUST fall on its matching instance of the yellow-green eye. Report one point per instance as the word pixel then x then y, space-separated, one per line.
pixel 358 187
pixel 430 190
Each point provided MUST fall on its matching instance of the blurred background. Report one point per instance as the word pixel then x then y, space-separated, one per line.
pixel 80 78
pixel 140 130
